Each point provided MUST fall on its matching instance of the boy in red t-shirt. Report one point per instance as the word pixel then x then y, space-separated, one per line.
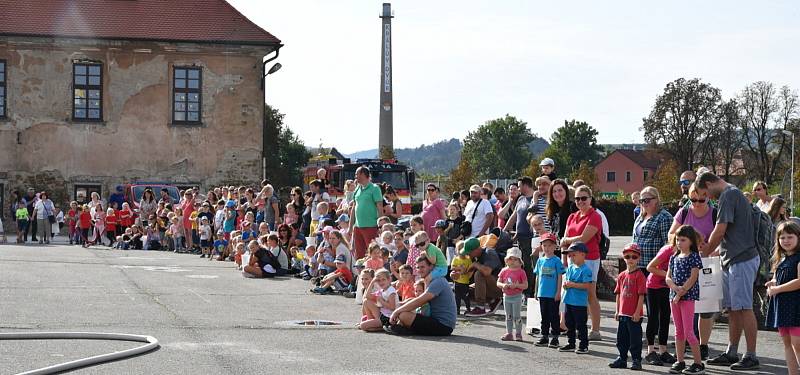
pixel 84 223
pixel 72 222
pixel 631 289
pixel 111 226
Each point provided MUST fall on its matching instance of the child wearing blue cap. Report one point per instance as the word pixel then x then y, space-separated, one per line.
pixel 577 281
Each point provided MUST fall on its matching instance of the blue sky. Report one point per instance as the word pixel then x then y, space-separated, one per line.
pixel 458 64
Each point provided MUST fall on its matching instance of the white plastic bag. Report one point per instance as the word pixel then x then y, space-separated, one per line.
pixel 710 282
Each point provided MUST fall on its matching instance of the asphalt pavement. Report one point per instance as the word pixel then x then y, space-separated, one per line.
pixel 211 320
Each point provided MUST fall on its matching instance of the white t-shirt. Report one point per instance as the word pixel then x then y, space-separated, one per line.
pixel 40 210
pixel 283 260
pixel 605 222
pixel 484 208
pixel 205 232
pixel 314 213
pixel 389 294
pixel 763 206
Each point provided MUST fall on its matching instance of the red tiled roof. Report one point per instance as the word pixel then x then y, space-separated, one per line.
pixel 166 20
pixel 641 158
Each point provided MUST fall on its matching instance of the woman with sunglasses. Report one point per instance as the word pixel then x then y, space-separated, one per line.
pixel 585 226
pixel 702 217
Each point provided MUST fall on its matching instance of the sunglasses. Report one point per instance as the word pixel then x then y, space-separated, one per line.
pixel 431 189
pixel 698 200
pixel 685 182
pixel 758 189
pixel 646 200
pixel 582 199
pixel 633 257
pixel 421 244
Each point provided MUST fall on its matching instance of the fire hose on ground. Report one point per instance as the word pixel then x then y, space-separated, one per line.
pixel 151 344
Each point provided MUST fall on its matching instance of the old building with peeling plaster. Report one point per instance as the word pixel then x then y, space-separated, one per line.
pixel 99 93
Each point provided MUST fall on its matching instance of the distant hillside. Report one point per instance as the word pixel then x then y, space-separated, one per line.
pixel 438 158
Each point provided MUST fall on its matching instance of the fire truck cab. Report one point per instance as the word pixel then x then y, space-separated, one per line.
pixel 399 176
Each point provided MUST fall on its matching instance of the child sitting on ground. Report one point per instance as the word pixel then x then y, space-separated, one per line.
pixel 240 249
pixel 387 241
pixel 375 260
pixel 338 280
pixel 220 246
pixel 153 237
pixel 405 285
pixel 386 300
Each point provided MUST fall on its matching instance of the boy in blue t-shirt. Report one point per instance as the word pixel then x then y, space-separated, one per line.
pixel 220 245
pixel 577 282
pixel 549 270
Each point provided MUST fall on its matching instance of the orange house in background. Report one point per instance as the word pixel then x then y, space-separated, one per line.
pixel 626 170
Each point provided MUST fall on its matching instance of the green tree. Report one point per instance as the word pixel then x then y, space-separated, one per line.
pixel 682 119
pixel 461 177
pixel 666 181
pixel 286 154
pixel 498 148
pixel 585 172
pixel 573 144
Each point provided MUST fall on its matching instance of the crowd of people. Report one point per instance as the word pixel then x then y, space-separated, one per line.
pixel 538 238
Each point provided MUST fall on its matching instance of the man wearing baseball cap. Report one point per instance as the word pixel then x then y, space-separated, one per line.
pixel 486 265
pixel 478 212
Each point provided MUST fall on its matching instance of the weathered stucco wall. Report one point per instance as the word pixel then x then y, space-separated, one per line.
pixel 137 140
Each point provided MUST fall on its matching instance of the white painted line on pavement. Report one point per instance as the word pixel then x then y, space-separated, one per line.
pixel 198 296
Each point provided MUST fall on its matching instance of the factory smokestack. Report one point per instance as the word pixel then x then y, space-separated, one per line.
pixel 385 133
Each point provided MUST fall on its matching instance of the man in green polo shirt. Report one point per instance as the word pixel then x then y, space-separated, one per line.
pixel 368 206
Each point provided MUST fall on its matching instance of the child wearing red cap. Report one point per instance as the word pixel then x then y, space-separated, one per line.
pixel 631 290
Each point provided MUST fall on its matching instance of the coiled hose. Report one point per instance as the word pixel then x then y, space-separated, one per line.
pixel 152 343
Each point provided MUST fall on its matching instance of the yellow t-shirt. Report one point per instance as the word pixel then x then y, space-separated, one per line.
pixel 465 262
pixel 193 218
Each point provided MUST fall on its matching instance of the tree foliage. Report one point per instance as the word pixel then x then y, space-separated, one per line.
pixel 681 120
pixel 461 177
pixel 585 172
pixel 286 153
pixel 498 148
pixel 766 112
pixel 571 145
pixel 727 139
pixel 666 181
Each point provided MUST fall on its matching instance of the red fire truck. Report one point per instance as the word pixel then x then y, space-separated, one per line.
pixel 399 176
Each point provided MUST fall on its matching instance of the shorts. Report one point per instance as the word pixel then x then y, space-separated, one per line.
pixel 789 331
pixel 737 284
pixel 438 271
pixel 593 265
pixel 340 284
pixel 205 243
pixel 427 326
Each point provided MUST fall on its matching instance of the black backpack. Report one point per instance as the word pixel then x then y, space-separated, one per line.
pixel 764 234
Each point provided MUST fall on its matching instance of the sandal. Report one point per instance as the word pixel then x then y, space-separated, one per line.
pixel 507 337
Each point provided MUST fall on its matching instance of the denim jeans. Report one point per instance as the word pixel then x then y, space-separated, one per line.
pixel 629 338
pixel 513 307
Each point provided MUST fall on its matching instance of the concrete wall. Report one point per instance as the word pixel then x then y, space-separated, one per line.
pixel 41 145
pixel 619 163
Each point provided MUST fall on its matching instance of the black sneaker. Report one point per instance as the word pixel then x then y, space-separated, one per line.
pixel 747 363
pixel 695 369
pixel 653 359
pixel 636 365
pixel 582 351
pixel 618 363
pixel 667 358
pixel 703 352
pixel 723 360
pixel 553 343
pixel 677 368
pixel 542 342
pixel 567 348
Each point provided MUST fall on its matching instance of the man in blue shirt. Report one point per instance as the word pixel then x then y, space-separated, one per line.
pixel 439 296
